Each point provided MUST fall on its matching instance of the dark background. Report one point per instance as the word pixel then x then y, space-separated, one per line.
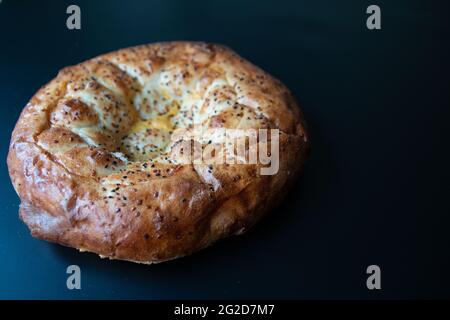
pixel 375 189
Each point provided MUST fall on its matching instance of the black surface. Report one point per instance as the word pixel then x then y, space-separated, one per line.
pixel 375 189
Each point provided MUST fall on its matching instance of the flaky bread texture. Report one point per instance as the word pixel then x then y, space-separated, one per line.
pixel 92 160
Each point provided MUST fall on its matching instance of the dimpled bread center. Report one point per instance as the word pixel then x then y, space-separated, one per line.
pixel 115 111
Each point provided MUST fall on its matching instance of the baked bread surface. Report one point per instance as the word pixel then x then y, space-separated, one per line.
pixel 92 156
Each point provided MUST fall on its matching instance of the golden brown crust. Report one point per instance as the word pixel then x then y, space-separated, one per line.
pixel 93 164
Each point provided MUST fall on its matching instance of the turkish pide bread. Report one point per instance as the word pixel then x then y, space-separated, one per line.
pixel 109 156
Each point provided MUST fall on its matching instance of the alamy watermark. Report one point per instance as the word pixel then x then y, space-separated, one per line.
pixel 373 22
pixel 74 280
pixel 73 21
pixel 219 146
pixel 374 280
